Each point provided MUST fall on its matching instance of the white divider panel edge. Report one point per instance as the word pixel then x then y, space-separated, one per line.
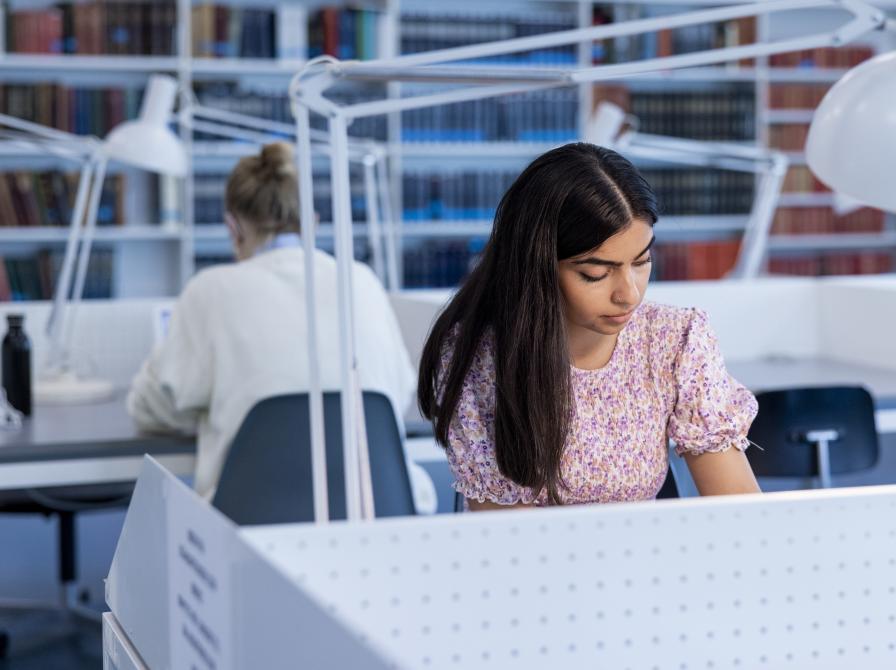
pixel 789 580
pixel 186 592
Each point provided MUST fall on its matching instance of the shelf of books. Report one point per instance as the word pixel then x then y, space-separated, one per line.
pixel 810 235
pixel 80 66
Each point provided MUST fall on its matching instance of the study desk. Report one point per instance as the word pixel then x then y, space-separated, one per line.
pixel 98 443
pixel 71 445
pixel 781 372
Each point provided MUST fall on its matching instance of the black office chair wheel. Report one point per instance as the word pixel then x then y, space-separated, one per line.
pixel 4 643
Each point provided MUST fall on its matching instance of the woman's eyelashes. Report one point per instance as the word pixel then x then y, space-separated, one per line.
pixel 588 278
pixel 591 280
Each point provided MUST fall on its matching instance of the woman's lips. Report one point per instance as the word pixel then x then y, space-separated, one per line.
pixel 619 318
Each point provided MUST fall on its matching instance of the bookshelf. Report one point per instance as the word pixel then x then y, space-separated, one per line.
pixel 210 49
pixel 808 236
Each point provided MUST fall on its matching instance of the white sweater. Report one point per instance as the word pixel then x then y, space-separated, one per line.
pixel 238 334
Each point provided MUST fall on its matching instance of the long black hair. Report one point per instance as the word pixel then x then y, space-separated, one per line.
pixel 567 202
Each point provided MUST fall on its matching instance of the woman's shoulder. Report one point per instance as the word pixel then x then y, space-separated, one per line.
pixel 667 324
pixel 213 278
pixel 482 365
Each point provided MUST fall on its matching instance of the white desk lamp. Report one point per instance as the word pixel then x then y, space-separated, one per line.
pixel 852 140
pixel 146 143
pixel 476 82
pixel 606 129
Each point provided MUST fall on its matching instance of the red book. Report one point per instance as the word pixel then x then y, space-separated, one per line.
pixel 5 290
pixel 331 31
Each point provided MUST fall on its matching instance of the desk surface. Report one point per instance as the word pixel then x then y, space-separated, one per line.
pixel 67 445
pixel 770 374
pixel 106 430
pixel 84 431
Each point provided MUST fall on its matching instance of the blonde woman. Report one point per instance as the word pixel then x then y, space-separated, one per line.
pixel 238 332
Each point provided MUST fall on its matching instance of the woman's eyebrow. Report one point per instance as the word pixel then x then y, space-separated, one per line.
pixel 613 264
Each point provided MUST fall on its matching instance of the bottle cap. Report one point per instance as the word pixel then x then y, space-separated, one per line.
pixel 15 320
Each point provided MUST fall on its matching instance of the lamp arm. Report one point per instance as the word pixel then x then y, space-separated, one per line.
pixel 225 123
pixel 237 133
pixel 374 231
pixel 87 237
pixel 751 257
pixel 390 236
pixel 769 165
pixel 740 151
pixel 56 321
pixel 723 155
pixel 49 146
pixel 37 131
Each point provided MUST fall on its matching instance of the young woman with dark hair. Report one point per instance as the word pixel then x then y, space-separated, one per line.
pixel 549 381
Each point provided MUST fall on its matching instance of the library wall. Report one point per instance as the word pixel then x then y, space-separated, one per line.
pixel 450 164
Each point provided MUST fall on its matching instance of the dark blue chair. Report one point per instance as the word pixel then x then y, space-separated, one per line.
pixel 267 475
pixel 814 432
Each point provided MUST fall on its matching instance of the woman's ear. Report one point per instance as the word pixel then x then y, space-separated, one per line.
pixel 237 238
pixel 233 226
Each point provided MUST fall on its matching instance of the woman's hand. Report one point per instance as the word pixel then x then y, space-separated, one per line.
pixel 476 506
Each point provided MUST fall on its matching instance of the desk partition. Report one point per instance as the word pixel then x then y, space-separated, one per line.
pixel 802 579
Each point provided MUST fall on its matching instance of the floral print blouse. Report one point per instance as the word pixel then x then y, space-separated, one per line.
pixel 665 380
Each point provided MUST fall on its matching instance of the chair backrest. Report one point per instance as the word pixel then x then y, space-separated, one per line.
pixel 786 416
pixel 267 475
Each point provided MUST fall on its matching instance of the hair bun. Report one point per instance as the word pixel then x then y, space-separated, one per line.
pixel 277 160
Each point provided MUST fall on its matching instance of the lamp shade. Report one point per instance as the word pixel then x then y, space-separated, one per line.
pixel 852 140
pixel 147 142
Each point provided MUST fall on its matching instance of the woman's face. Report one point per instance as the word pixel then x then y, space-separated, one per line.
pixel 602 287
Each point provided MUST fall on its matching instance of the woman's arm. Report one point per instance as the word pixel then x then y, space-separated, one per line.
pixel 152 406
pixel 173 387
pixel 722 473
pixel 476 506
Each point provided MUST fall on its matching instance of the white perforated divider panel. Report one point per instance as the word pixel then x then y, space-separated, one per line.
pixel 794 580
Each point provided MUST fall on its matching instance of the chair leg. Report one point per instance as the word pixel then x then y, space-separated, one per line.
pixel 458 502
pixel 67 548
pixel 4 643
pixel 68 570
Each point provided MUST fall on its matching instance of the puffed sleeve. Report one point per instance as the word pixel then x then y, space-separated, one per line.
pixel 713 411
pixel 471 437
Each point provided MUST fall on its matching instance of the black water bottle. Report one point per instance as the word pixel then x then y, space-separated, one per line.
pixel 17 364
